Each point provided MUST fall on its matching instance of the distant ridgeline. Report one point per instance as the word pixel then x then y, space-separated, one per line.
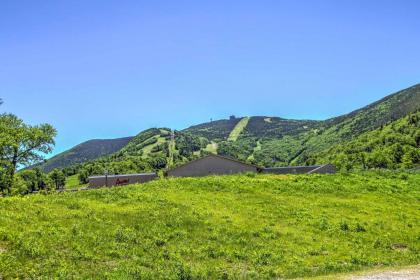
pixel 84 152
pixel 384 134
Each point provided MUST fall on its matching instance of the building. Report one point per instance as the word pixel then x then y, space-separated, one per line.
pixel 211 165
pixel 207 165
pixel 119 180
pixel 319 169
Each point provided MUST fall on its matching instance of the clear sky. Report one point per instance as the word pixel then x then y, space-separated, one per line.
pixel 106 69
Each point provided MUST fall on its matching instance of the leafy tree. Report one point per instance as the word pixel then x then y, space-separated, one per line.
pixel 411 157
pixel 417 138
pixel 187 144
pixel 22 145
pixel 43 181
pixel 57 176
pixel 30 178
pixel 4 179
pixel 83 176
pixel 20 186
pixel 71 170
pixel 397 152
pixel 35 180
pixel 158 162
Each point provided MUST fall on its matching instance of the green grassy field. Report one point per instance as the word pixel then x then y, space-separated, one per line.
pixel 72 182
pixel 228 227
pixel 147 150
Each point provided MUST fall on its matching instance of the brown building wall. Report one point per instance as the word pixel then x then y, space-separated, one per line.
pixel 321 169
pixel 211 165
pixel 324 169
pixel 290 169
pixel 119 180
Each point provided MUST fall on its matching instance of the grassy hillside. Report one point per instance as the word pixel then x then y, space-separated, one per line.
pixel 85 151
pixel 214 131
pixel 237 130
pixel 229 227
pixel 148 138
pixel 148 151
pixel 273 127
pixel 396 145
pixel 72 182
pixel 269 141
pixel 371 117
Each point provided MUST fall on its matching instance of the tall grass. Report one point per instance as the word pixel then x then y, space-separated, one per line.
pixel 242 226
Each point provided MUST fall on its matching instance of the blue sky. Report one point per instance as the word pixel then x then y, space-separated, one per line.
pixel 105 69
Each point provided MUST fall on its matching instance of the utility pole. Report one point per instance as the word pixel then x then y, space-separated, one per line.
pixel 106 178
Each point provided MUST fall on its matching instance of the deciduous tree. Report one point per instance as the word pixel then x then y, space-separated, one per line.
pixel 58 178
pixel 83 176
pixel 22 145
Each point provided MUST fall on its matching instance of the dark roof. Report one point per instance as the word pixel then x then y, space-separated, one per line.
pixel 291 167
pixel 117 175
pixel 215 155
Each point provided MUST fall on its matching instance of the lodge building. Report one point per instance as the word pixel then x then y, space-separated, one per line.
pixel 205 166
pixel 212 165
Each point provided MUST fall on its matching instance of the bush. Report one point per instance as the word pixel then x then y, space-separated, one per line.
pixel 20 186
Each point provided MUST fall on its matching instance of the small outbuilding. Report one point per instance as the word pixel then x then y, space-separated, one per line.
pixel 119 180
pixel 211 165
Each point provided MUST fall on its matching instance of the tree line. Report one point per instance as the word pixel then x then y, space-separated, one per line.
pixel 395 145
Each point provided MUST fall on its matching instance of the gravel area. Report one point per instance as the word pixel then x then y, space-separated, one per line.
pixel 403 274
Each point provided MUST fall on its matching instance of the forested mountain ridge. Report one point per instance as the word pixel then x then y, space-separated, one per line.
pixel 379 113
pixel 89 150
pixel 261 140
pixel 277 142
pixel 215 130
pixel 387 109
pixel 395 145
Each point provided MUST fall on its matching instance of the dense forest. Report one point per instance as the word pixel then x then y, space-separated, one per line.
pixel 395 145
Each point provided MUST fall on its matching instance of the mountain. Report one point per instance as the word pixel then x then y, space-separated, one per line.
pixel 261 140
pixel 377 114
pixel 214 131
pixel 290 142
pixel 151 149
pixel 85 151
pixel 395 145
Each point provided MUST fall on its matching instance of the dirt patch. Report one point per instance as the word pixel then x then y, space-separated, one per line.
pixel 403 274
pixel 399 247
